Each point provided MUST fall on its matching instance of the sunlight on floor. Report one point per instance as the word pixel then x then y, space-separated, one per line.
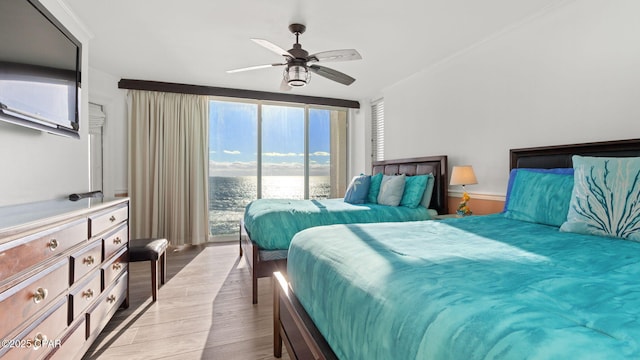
pixel 203 311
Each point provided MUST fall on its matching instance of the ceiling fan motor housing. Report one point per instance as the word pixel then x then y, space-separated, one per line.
pixel 298 52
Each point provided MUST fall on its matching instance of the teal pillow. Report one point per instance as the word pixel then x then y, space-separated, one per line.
pixel 428 191
pixel 538 197
pixel 374 188
pixel 606 197
pixel 358 190
pixel 413 190
pixel 391 190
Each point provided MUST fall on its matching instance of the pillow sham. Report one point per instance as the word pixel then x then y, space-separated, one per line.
pixel 606 197
pixel 391 190
pixel 514 173
pixel 541 197
pixel 374 188
pixel 414 188
pixel 358 190
pixel 428 191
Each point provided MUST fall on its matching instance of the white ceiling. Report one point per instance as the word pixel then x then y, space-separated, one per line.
pixel 196 41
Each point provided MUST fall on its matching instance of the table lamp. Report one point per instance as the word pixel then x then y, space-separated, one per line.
pixel 463 175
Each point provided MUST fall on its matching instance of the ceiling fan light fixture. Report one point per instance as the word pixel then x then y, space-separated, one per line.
pixel 297 75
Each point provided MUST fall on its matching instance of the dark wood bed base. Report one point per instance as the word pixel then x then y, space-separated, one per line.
pixel 259 268
pixel 436 165
pixel 293 325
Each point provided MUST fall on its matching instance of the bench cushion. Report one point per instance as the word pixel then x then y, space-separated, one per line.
pixel 147 249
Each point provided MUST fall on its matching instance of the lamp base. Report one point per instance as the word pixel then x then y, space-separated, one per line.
pixel 464 213
pixel 463 207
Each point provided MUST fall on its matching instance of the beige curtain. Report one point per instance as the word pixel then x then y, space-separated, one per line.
pixel 168 178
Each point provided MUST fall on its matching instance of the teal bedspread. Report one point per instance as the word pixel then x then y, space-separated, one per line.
pixel 271 223
pixel 482 287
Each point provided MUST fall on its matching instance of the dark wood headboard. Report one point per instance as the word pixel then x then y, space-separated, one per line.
pixel 559 156
pixel 436 165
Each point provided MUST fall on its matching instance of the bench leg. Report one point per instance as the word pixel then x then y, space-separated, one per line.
pixel 163 267
pixel 154 279
pixel 254 288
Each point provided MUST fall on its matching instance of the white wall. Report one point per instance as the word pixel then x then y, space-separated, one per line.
pixel 41 166
pixel 568 76
pixel 104 91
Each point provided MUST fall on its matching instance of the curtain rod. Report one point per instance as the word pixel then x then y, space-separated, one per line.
pixel 234 93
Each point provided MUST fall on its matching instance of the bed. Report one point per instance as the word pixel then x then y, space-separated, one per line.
pixel 496 286
pixel 266 254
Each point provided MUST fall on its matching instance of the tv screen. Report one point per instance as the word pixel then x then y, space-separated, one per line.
pixel 39 69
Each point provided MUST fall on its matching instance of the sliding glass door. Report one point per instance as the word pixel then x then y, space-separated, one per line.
pixel 272 151
pixel 283 144
pixel 233 173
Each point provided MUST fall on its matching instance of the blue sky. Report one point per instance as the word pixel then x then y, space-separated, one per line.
pixel 233 144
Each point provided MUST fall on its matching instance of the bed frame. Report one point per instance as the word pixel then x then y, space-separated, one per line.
pixel 436 165
pixel 293 326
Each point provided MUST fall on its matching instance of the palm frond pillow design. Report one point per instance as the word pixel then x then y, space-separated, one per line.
pixel 606 197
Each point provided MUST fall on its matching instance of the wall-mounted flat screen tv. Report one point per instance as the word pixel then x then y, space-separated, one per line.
pixel 39 69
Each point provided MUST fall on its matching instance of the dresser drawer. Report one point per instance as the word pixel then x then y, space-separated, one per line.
pixel 103 221
pixel 72 342
pixel 21 254
pixel 43 337
pixel 111 298
pixel 32 295
pixel 84 261
pixel 114 267
pixel 84 295
pixel 115 241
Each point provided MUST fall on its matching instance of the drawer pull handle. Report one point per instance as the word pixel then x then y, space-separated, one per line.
pixel 111 298
pixel 117 266
pixel 117 240
pixel 89 260
pixel 87 294
pixel 53 244
pixel 39 295
pixel 39 340
pixel 112 218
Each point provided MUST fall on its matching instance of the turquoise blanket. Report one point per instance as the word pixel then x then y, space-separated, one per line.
pixel 271 223
pixel 482 287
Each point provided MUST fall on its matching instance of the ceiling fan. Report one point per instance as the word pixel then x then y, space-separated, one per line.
pixel 298 63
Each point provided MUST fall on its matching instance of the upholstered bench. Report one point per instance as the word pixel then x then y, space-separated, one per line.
pixel 151 250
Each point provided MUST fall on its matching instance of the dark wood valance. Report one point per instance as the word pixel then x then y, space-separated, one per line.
pixel 233 93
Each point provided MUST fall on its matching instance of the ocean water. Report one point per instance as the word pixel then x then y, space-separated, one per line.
pixel 228 196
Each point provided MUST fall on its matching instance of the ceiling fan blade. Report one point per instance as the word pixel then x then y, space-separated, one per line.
pixel 335 55
pixel 284 86
pixel 331 74
pixel 273 47
pixel 253 68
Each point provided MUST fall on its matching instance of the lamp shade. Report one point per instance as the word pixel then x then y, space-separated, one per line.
pixel 463 175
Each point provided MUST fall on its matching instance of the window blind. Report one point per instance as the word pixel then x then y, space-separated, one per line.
pixel 377 131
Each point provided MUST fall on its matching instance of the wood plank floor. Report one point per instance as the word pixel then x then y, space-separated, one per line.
pixel 203 311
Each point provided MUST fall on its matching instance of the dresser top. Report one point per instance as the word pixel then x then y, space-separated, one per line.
pixel 22 217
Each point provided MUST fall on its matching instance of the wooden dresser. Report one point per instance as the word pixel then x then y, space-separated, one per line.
pixel 63 274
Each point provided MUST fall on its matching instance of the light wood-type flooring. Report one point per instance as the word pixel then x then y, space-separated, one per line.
pixel 203 311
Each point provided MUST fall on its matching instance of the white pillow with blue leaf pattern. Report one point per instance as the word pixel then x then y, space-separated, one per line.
pixel 606 197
